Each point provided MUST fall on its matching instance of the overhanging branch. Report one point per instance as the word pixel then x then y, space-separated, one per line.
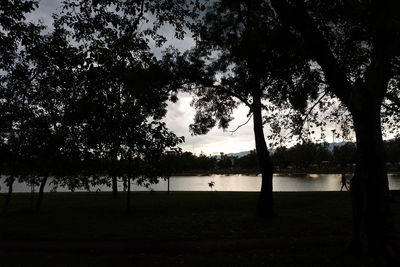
pixel 310 110
pixel 241 125
pixel 297 17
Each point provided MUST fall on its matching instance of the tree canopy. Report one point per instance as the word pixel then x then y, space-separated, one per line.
pixel 87 90
pixel 356 46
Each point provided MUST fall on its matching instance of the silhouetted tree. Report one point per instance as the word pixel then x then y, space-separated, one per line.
pixel 79 99
pixel 344 155
pixel 124 85
pixel 249 161
pixel 14 29
pixel 15 35
pixel 55 62
pixel 392 151
pixel 238 60
pixel 205 163
pixel 146 153
pixel 224 162
pixel 391 106
pixel 281 157
pixel 356 44
pixel 305 154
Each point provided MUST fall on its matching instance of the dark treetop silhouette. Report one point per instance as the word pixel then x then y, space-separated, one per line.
pixel 356 44
pixel 88 92
pixel 14 86
pixel 136 85
pixel 239 58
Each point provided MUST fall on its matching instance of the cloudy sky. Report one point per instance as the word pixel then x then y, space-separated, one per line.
pixel 180 114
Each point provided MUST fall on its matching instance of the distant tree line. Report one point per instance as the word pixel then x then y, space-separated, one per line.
pixel 300 157
pixel 318 156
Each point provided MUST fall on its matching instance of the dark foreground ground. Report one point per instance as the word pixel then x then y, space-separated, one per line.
pixel 179 229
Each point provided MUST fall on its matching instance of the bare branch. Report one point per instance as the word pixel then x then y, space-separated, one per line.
pixel 241 125
pixel 311 109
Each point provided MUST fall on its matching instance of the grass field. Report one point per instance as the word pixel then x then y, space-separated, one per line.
pixel 179 229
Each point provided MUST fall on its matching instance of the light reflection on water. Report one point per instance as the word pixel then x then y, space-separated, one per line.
pixel 234 182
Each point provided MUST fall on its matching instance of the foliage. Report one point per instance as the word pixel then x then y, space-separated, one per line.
pixel 241 57
pixel 249 161
pixel 308 156
pixel 224 162
pixel 14 30
pixel 124 87
pixel 355 44
pixel 391 106
pixel 351 33
pixel 300 157
pixel 236 42
pixel 345 154
pixel 392 151
pixel 16 114
pixel 187 161
pixel 85 99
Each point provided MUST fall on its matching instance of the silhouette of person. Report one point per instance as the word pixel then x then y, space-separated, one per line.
pixel 344 182
pixel 125 184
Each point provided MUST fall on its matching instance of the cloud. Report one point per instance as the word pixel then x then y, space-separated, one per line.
pixel 180 114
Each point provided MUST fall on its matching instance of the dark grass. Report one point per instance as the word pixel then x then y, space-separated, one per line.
pixel 175 216
pixel 301 217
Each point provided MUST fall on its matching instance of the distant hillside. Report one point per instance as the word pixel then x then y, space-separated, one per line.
pixel 239 154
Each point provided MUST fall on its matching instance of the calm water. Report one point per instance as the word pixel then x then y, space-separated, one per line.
pixel 310 182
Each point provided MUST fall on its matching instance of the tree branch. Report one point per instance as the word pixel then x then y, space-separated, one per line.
pixel 394 109
pixel 310 110
pixel 377 75
pixel 241 125
pixel 298 18
pixel 140 16
pixel 241 98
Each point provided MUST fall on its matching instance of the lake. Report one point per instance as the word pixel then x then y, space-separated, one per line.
pixel 236 182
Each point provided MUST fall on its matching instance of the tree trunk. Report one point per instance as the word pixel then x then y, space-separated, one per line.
pixel 265 205
pixel 114 180
pixel 41 192
pixel 128 195
pixel 10 184
pixel 32 197
pixel 369 186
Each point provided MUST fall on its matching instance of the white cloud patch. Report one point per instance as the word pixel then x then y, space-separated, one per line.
pixel 180 115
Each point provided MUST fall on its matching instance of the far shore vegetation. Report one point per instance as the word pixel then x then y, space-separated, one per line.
pixel 301 158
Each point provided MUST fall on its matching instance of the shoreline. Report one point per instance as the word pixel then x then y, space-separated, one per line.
pixel 257 173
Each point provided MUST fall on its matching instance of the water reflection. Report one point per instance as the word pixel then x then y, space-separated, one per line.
pixel 281 182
